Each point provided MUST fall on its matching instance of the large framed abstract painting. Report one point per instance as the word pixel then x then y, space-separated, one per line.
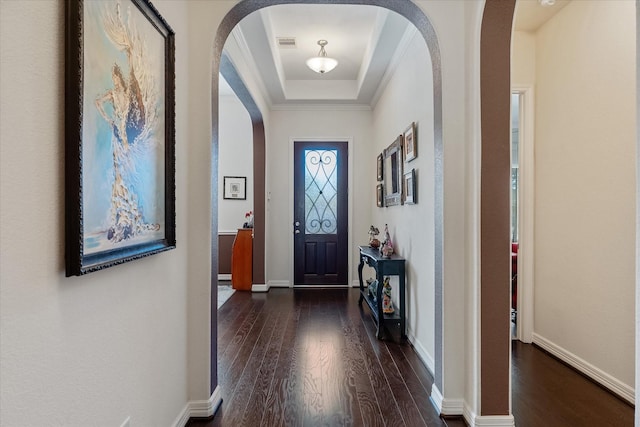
pixel 120 133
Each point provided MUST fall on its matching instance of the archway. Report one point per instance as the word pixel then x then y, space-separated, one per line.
pixel 414 15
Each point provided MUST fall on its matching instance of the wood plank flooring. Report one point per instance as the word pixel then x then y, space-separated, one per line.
pixel 310 358
pixel 546 392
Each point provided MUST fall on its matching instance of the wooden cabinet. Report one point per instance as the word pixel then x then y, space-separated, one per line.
pixel 383 267
pixel 242 260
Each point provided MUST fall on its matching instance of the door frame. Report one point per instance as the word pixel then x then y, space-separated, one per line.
pixel 349 141
pixel 526 213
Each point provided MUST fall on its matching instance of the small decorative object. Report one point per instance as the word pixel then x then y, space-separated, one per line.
pixel 249 220
pixel 387 305
pixel 410 143
pixel 410 187
pixel 235 188
pixel 372 285
pixel 387 246
pixel 373 240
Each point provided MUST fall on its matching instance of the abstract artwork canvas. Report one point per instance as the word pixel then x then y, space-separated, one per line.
pixel 120 134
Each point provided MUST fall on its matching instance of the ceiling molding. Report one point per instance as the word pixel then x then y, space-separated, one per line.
pixel 265 17
pixel 238 52
pixel 320 107
pixel 410 33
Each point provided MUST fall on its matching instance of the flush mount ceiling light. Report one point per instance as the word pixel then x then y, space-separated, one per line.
pixel 547 3
pixel 322 63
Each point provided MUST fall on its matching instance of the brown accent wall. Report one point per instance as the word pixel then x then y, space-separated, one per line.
pixel 225 245
pixel 259 202
pixel 495 92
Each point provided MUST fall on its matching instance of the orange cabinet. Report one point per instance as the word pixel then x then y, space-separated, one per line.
pixel 242 260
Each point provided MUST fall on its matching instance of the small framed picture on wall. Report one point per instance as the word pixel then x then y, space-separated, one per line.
pixel 235 188
pixel 380 168
pixel 410 143
pixel 410 197
pixel 379 196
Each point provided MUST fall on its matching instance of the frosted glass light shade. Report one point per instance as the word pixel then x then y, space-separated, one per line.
pixel 321 64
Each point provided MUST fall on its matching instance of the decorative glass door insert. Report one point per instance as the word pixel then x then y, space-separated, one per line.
pixel 321 191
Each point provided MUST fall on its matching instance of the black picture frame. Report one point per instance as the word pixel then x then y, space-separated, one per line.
pixel 380 195
pixel 120 140
pixel 234 188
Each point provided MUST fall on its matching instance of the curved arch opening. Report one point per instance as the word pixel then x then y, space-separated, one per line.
pixel 414 15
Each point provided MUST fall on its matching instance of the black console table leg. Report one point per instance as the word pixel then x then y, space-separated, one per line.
pixel 360 279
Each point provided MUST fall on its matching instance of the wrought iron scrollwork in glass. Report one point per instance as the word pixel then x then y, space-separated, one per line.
pixel 321 191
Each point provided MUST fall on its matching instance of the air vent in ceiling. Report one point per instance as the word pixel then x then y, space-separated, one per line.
pixel 287 42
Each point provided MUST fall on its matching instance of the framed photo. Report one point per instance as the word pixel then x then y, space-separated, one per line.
pixel 410 143
pixel 393 173
pixel 380 168
pixel 410 195
pixel 120 134
pixel 379 196
pixel 235 187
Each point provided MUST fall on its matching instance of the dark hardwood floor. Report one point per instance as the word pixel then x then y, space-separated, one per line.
pixel 310 358
pixel 546 392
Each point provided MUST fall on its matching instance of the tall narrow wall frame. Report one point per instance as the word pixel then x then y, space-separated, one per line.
pixel 120 134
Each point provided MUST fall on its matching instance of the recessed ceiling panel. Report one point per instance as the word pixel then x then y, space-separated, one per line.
pixel 347 28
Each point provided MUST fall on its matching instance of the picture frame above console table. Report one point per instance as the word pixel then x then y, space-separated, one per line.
pixel 392 266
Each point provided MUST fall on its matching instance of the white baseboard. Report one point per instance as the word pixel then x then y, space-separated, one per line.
pixel 224 276
pixel 474 420
pixel 452 407
pixel 436 398
pixel 279 284
pixel 423 354
pixel 260 288
pixel 199 408
pixel 446 407
pixel 623 390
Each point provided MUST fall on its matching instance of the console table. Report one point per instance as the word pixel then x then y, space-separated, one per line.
pixel 393 266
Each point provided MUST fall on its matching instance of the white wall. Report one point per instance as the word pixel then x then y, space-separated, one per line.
pixel 523 58
pixel 89 350
pixel 338 124
pixel 408 98
pixel 585 185
pixel 235 151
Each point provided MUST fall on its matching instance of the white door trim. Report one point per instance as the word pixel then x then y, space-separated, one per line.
pixel 526 214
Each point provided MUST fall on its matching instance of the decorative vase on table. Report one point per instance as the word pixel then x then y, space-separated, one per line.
pixel 248 220
pixel 372 285
pixel 387 246
pixel 387 304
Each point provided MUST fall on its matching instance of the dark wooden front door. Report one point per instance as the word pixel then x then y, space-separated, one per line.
pixel 320 213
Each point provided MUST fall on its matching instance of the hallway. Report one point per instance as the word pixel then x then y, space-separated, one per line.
pixel 310 357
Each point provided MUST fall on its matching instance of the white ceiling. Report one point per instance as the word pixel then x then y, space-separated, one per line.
pixel 366 40
pixel 530 15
